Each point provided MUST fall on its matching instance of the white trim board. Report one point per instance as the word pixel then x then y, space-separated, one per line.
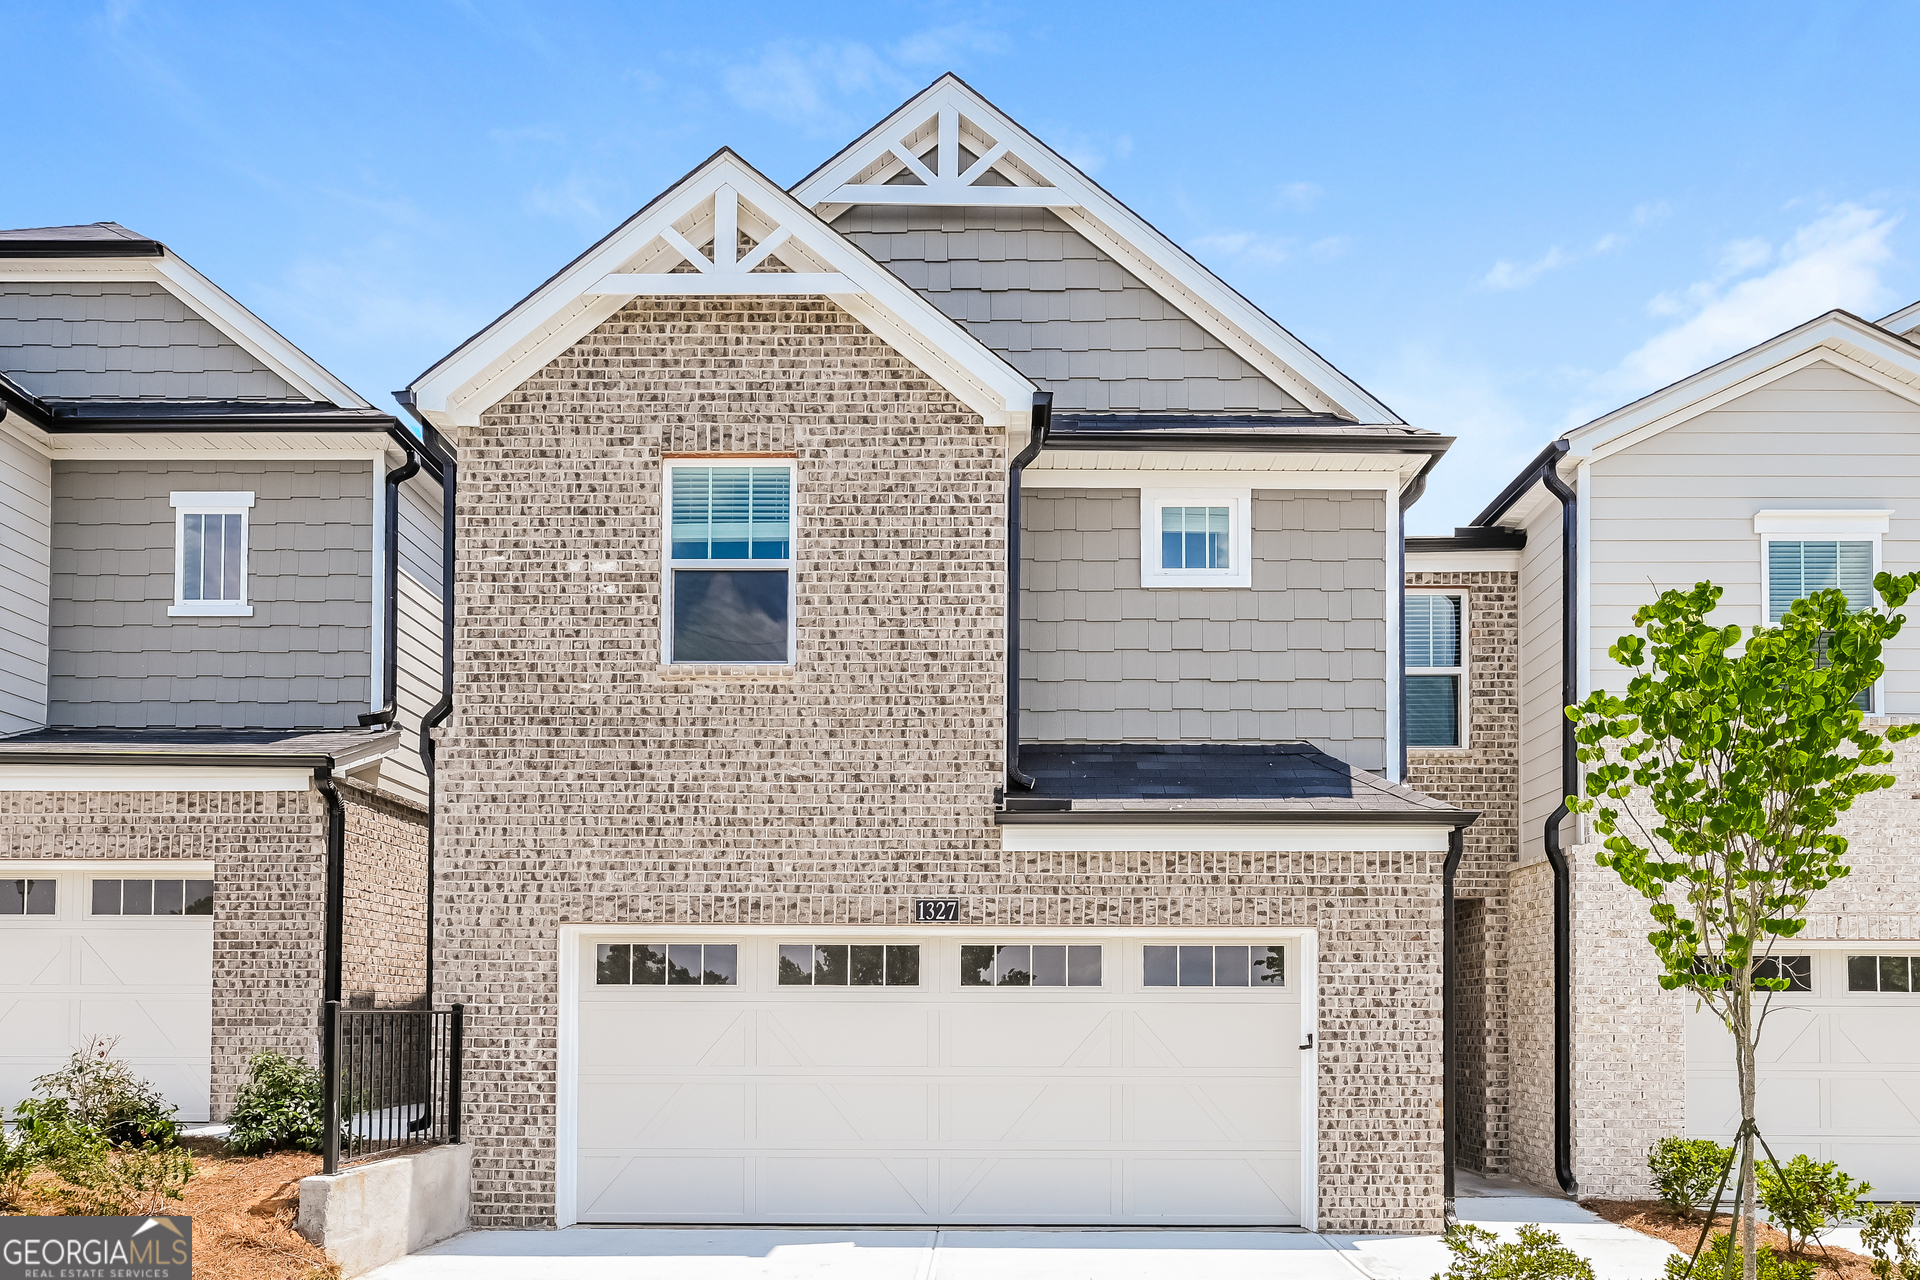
pixel 949 112
pixel 158 868
pixel 157 777
pixel 1463 562
pixel 720 199
pixel 1226 480
pixel 1207 837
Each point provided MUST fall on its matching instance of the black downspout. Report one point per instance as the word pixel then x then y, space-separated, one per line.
pixel 1415 489
pixel 1036 440
pixel 390 662
pixel 1449 1111
pixel 1556 856
pixel 334 926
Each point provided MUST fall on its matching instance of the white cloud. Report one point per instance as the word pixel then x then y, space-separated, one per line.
pixel 1833 261
pixel 1518 275
pixel 805 82
pixel 1246 247
pixel 1299 195
pixel 1652 211
pixel 942 46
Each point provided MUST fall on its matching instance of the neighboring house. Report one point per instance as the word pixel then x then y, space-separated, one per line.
pixel 1789 468
pixel 767 901
pixel 208 554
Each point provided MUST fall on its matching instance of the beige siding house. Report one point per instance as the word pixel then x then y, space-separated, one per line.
pixel 1788 468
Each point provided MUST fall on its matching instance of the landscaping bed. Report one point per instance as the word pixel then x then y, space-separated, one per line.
pixel 243 1209
pixel 1652 1218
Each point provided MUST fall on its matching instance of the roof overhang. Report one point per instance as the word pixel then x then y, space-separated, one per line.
pixel 661 251
pixel 949 114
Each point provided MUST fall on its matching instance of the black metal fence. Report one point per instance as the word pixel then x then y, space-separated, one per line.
pixel 391 1081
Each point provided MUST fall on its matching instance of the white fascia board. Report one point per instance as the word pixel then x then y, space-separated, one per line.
pixel 1490 561
pixel 565 309
pixel 1379 468
pixel 1165 267
pixel 211 303
pixel 1330 837
pixel 159 777
pixel 1867 351
pixel 1223 479
pixel 1902 320
pixel 159 868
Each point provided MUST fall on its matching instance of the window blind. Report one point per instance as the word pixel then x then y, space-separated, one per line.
pixel 1798 569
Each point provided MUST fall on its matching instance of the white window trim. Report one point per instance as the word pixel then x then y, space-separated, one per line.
pixel 221 504
pixel 1819 526
pixel 1465 730
pixel 1239 572
pixel 668 564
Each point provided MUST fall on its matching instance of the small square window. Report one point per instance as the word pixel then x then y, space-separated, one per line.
pixel 136 897
pixel 106 897
pixel 1196 538
pixel 613 965
pixel 1893 973
pixel 210 554
pixel 1863 973
pixel 199 897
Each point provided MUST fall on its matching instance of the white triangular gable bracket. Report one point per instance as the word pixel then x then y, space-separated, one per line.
pixel 725 230
pixel 949 146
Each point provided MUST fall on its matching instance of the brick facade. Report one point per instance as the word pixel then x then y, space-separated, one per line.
pixel 268 850
pixel 583 782
pixel 1484 775
pixel 384 947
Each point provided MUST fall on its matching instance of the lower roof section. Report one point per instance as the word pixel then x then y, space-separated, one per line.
pixel 197 748
pixel 1242 784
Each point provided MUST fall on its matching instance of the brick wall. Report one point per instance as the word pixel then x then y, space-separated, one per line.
pixel 384 943
pixel 583 782
pixel 1484 776
pixel 267 848
pixel 1529 999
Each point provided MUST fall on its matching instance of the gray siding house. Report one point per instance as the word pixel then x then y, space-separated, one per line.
pixel 941 759
pixel 220 615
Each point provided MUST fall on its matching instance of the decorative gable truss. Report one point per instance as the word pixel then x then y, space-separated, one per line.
pixel 950 146
pixel 723 230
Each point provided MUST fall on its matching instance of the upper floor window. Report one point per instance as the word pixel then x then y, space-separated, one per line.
pixel 1799 568
pixel 1436 669
pixel 1195 538
pixel 729 579
pixel 210 555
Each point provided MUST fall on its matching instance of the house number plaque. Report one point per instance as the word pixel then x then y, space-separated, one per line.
pixel 936 911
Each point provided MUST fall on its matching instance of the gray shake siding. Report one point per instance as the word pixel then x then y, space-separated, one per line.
pixel 26 511
pixel 123 340
pixel 583 782
pixel 1060 310
pixel 1299 657
pixel 303 660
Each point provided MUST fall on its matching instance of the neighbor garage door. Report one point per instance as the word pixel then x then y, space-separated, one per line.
pixel 1839 1066
pixel 938 1080
pixel 124 953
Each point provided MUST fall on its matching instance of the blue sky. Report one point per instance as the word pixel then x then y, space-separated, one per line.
pixel 1501 219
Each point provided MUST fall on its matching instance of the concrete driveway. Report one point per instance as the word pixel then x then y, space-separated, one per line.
pixel 674 1253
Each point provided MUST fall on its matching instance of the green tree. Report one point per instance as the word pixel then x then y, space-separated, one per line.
pixel 1716 782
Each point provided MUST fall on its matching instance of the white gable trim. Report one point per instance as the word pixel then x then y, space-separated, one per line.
pixel 722 197
pixel 1902 320
pixel 949 112
pixel 211 302
pixel 1863 350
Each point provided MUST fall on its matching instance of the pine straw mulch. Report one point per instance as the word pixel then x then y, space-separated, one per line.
pixel 1651 1218
pixel 243 1208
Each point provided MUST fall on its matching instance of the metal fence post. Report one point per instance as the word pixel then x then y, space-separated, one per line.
pixel 330 1087
pixel 453 1075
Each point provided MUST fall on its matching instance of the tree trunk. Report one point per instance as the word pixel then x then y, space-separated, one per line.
pixel 1743 1036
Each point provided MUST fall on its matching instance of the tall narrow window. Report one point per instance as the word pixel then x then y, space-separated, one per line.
pixel 1435 670
pixel 210 555
pixel 730 563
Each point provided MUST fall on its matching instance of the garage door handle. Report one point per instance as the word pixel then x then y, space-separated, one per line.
pixel 1308 1043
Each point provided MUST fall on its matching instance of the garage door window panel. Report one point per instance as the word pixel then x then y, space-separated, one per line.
pixel 678 964
pixel 1190 966
pixel 1882 973
pixel 1027 965
pixel 849 964
pixel 27 897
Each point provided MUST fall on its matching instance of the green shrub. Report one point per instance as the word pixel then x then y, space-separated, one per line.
pixel 1686 1171
pixel 277 1108
pixel 1478 1254
pixel 1887 1232
pixel 103 1093
pixel 55 1139
pixel 1806 1198
pixel 132 1181
pixel 1712 1264
pixel 17 1160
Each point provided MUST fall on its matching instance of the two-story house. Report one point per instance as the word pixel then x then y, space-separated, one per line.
pixel 927 741
pixel 1788 468
pixel 220 629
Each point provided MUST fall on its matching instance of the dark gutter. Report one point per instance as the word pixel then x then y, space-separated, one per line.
pixel 1256 441
pixel 1517 488
pixel 17 400
pixel 1488 538
pixel 1036 441
pixel 53 247
pixel 1414 490
pixel 437 448
pixel 1236 817
pixel 1449 1113
pixel 390 661
pixel 1556 856
pixel 215 759
pixel 334 931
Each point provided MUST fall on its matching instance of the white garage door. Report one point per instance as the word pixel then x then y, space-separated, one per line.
pixel 1839 1066
pixel 140 967
pixel 1022 1079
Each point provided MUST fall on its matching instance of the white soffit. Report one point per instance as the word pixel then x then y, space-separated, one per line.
pixel 949 115
pixel 159 777
pixel 1492 560
pixel 1864 350
pixel 1200 837
pixel 212 303
pixel 793 252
